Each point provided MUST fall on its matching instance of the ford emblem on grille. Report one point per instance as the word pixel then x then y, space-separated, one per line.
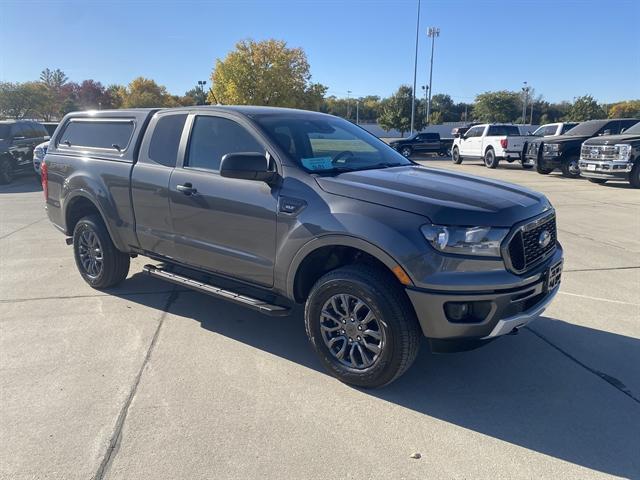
pixel 544 238
pixel 594 152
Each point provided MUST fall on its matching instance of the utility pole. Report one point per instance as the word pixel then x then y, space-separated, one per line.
pixel 433 33
pixel 415 72
pixel 525 91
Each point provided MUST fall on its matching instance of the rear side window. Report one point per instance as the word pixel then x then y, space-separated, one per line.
pixel 500 130
pixel 475 132
pixel 213 137
pixel 105 134
pixel 163 148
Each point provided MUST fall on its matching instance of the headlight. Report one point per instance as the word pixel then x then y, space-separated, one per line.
pixel 480 241
pixel 551 148
pixel 39 153
pixel 624 152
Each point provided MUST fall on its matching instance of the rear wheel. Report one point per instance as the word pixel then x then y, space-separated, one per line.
pixel 490 160
pixel 455 156
pixel 634 177
pixel 362 325
pixel 541 170
pixel 6 171
pixel 99 262
pixel 570 168
pixel 599 181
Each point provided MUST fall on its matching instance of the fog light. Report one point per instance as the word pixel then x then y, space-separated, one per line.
pixel 457 311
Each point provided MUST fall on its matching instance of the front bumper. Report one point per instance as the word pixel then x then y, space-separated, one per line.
pixel 606 169
pixel 505 309
pixel 549 161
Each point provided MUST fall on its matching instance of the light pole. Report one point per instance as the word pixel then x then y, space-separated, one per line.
pixel 357 111
pixel 433 33
pixel 201 84
pixel 525 91
pixel 426 91
pixel 415 72
pixel 348 104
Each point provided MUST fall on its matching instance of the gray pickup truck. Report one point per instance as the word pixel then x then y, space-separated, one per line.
pixel 270 207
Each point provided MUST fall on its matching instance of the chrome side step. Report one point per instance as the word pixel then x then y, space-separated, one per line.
pixel 253 303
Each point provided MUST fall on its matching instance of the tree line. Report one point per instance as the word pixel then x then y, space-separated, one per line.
pixel 270 73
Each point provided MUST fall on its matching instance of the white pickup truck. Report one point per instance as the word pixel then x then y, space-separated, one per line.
pixel 491 143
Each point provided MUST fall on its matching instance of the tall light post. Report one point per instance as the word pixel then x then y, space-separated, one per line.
pixel 525 92
pixel 348 104
pixel 426 91
pixel 201 84
pixel 415 72
pixel 357 111
pixel 432 33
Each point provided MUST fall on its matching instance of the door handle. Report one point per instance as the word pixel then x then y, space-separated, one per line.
pixel 187 189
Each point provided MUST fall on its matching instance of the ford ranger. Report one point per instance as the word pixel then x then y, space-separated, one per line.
pixel 269 208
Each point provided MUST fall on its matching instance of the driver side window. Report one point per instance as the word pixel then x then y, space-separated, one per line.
pixel 213 137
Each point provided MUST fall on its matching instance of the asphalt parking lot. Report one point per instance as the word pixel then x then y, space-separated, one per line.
pixel 149 381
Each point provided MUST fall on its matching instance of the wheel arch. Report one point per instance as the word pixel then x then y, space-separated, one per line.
pixel 329 252
pixel 79 205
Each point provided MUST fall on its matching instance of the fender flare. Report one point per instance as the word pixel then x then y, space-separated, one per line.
pixel 334 240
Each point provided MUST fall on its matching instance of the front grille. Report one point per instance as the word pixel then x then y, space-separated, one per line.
pixel 599 152
pixel 526 249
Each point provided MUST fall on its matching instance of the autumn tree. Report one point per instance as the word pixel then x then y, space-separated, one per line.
pixel 628 109
pixel 500 106
pixel 585 108
pixel 396 112
pixel 265 73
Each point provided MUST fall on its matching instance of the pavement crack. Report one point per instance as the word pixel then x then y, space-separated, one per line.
pixel 614 382
pixel 21 228
pixel 114 441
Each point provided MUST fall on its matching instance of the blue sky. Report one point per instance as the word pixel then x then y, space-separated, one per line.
pixel 558 46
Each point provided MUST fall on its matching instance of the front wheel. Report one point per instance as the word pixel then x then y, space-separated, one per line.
pixel 362 325
pixel 490 159
pixel 541 170
pixel 570 168
pixel 99 262
pixel 455 156
pixel 406 151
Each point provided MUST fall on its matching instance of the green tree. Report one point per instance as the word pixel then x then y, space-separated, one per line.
pixel 265 73
pixel 20 100
pixel 585 108
pixel 53 79
pixel 396 112
pixel 500 106
pixel 626 109
pixel 443 105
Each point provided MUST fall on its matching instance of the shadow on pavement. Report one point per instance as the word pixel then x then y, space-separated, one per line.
pixel 22 184
pixel 519 389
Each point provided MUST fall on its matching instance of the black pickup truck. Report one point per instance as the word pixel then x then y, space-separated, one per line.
pixel 563 151
pixel 270 207
pixel 613 157
pixel 18 139
pixel 420 143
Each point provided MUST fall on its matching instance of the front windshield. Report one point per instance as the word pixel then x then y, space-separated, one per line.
pixel 328 144
pixel 635 130
pixel 4 132
pixel 586 129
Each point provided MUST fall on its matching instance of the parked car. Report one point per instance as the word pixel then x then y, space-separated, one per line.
pixel 38 156
pixel 18 139
pixel 553 129
pixel 459 131
pixel 426 142
pixel 269 208
pixel 564 151
pixel 491 143
pixel 50 126
pixel 612 157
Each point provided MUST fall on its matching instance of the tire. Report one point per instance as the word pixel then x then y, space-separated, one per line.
pixel 455 156
pixel 599 181
pixel 393 320
pixel 490 160
pixel 6 171
pixel 406 151
pixel 99 262
pixel 570 168
pixel 634 176
pixel 541 170
pixel 527 166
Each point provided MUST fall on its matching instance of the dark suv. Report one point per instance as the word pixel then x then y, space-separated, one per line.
pixel 18 138
pixel 269 208
pixel 427 142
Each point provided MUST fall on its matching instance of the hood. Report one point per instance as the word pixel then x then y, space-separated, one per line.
pixel 445 197
pixel 562 139
pixel 613 139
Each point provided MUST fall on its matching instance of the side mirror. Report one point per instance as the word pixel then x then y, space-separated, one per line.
pixel 246 166
pixel 607 132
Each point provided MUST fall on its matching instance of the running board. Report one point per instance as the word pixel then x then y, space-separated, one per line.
pixel 253 303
